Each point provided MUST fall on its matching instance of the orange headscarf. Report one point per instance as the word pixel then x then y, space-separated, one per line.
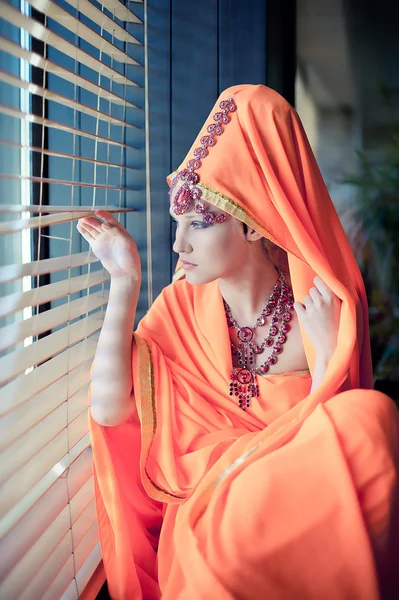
pixel 263 172
pixel 181 464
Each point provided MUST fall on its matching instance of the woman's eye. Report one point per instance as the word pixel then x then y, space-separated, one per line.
pixel 199 225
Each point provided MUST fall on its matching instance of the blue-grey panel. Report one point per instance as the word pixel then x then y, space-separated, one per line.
pixel 160 136
pixel 242 42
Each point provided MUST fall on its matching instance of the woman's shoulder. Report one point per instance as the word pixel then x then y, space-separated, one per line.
pixel 177 291
pixel 175 298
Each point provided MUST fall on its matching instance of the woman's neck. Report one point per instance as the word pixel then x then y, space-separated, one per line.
pixel 247 291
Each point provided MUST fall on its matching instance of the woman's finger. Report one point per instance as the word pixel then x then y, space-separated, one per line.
pixel 86 234
pixel 94 232
pixel 299 309
pixel 106 216
pixel 308 302
pixel 323 288
pixel 316 296
pixel 92 222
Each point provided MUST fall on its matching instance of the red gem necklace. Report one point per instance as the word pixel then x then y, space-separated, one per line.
pixel 277 313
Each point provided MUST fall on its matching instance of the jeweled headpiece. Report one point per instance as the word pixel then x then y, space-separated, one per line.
pixel 189 192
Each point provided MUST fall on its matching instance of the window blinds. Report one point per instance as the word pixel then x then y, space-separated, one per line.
pixel 73 122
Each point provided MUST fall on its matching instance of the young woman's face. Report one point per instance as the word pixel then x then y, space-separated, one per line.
pixel 209 252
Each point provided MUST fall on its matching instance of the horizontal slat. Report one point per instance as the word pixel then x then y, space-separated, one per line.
pixel 37 30
pixel 18 301
pixel 36 222
pixel 81 507
pixel 16 511
pixel 47 265
pixel 17 362
pixel 92 567
pixel 23 449
pixel 77 488
pixel 12 587
pixel 84 574
pixel 95 582
pixel 74 157
pixel 32 88
pixel 43 464
pixel 100 18
pixel 86 545
pixel 72 388
pixel 24 387
pixel 46 575
pixel 44 180
pixel 12 112
pixel 60 584
pixel 46 209
pixel 82 514
pixel 52 67
pixel 64 18
pixel 119 10
pixel 17 332
pixel 38 568
pixel 35 441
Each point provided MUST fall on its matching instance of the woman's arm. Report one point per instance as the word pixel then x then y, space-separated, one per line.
pixel 319 372
pixel 112 399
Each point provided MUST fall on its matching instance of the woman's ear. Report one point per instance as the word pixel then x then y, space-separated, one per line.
pixel 252 235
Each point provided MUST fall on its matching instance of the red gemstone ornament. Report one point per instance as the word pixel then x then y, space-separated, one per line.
pixel 244 376
pixel 200 207
pixel 196 193
pixel 190 177
pixel 208 218
pixel 245 334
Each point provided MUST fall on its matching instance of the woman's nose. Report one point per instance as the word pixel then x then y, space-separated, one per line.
pixel 181 245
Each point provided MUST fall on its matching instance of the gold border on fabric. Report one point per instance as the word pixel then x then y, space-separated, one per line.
pixel 149 414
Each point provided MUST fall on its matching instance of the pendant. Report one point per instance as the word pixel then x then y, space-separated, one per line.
pixel 243 386
pixel 245 334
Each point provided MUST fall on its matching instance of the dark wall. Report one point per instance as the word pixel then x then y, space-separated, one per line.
pixel 196 50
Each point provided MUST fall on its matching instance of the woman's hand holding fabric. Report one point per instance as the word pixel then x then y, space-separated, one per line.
pixel 319 315
pixel 112 244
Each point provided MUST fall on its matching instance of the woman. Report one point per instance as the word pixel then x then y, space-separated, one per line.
pixel 228 461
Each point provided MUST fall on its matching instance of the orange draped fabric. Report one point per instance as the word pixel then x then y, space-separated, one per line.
pixel 294 498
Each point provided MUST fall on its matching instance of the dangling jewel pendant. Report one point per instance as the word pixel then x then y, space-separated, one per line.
pixel 243 385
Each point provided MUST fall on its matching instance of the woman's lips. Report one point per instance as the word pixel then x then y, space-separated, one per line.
pixel 187 266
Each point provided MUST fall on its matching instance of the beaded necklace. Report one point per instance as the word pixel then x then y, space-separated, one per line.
pixel 277 310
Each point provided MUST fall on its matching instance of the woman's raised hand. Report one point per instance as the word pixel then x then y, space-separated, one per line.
pixel 319 315
pixel 112 244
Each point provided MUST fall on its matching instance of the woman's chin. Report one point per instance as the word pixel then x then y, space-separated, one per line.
pixel 195 277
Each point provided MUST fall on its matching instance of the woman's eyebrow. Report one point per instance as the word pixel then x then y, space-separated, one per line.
pixel 186 215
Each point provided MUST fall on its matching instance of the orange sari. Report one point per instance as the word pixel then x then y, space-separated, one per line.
pixel 294 498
